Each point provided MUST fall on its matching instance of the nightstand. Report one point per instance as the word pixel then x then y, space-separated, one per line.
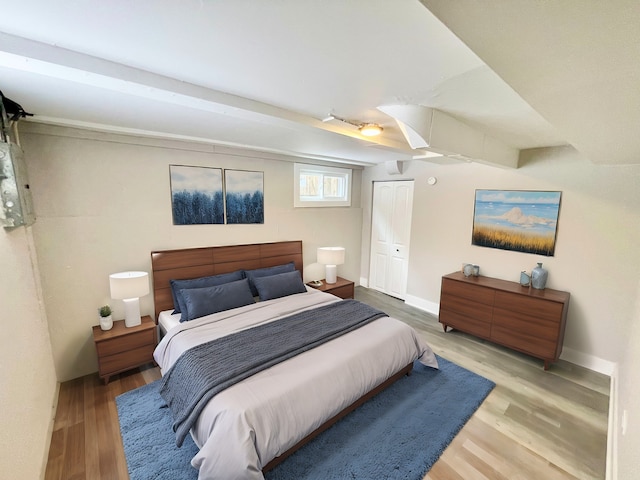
pixel 342 288
pixel 122 348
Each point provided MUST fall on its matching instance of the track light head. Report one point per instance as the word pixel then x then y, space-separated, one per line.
pixel 370 129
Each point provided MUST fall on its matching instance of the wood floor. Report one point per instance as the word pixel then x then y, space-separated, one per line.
pixel 534 424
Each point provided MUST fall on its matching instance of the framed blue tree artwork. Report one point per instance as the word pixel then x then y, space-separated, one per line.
pixel 520 220
pixel 244 196
pixel 196 195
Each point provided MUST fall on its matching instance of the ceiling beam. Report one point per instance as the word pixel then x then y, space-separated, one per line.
pixel 433 130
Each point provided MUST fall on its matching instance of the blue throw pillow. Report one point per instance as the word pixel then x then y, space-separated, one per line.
pixel 280 285
pixel 199 302
pixel 265 272
pixel 177 285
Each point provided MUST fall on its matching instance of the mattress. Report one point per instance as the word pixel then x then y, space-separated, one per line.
pixel 167 320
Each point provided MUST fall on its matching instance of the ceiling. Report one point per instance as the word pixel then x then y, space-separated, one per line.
pixel 263 74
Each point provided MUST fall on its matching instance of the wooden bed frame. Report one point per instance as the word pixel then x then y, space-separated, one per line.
pixel 202 262
pixel 199 262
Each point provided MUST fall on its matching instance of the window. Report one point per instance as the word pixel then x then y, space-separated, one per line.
pixel 316 186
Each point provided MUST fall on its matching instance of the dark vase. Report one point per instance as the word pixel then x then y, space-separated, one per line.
pixel 539 277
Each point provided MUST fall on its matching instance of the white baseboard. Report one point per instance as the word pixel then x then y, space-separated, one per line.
pixel 591 362
pixel 364 282
pixel 422 304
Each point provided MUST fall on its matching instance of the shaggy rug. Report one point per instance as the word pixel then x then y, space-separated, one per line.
pixel 399 434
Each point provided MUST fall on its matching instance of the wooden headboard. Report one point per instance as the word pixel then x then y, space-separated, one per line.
pixel 206 261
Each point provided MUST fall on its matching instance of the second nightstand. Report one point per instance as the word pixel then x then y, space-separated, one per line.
pixel 342 288
pixel 122 348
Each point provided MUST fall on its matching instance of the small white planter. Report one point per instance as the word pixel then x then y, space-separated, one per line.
pixel 106 323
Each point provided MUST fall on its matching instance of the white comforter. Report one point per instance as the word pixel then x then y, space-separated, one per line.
pixel 244 427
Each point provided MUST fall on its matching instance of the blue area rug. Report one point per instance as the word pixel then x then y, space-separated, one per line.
pixel 399 434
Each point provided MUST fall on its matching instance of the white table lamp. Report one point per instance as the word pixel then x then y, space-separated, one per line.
pixel 129 287
pixel 331 257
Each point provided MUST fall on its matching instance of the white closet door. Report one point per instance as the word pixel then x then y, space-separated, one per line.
pixel 390 234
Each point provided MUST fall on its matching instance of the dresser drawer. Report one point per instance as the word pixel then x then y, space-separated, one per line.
pixel 466 307
pixel 526 324
pixel 475 293
pixel 465 323
pixel 125 343
pixel 535 308
pixel 343 292
pixel 536 346
pixel 125 360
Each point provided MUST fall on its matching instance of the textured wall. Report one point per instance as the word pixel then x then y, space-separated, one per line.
pixel 103 204
pixel 27 377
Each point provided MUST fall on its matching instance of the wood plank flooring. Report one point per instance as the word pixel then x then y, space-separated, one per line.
pixel 534 425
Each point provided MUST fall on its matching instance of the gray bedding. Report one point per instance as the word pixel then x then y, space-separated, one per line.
pixel 205 370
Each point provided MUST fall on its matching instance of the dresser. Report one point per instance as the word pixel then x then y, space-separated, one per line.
pixel 122 348
pixel 522 318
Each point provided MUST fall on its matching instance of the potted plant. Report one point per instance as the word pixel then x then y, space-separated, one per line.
pixel 106 321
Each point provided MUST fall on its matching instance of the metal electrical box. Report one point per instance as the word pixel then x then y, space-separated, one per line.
pixel 17 207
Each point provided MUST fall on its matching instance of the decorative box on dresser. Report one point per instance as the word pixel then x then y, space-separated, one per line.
pixel 121 348
pixel 522 318
pixel 342 288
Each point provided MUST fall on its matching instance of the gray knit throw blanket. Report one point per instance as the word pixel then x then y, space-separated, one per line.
pixel 205 370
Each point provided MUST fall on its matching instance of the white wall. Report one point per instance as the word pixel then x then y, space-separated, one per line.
pixel 596 257
pixel 28 386
pixel 103 203
pixel 628 443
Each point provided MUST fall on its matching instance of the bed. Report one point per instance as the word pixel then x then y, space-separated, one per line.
pixel 245 429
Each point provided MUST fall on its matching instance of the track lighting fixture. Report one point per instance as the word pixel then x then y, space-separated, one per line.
pixel 366 129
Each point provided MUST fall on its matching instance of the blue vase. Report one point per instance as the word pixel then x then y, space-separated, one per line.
pixel 539 277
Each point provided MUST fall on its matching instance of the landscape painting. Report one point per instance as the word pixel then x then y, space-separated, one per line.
pixel 519 220
pixel 244 195
pixel 196 195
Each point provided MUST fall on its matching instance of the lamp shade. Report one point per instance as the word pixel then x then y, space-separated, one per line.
pixel 129 285
pixel 331 255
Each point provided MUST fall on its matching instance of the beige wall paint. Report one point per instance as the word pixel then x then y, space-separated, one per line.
pixel 103 204
pixel 596 257
pixel 28 386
